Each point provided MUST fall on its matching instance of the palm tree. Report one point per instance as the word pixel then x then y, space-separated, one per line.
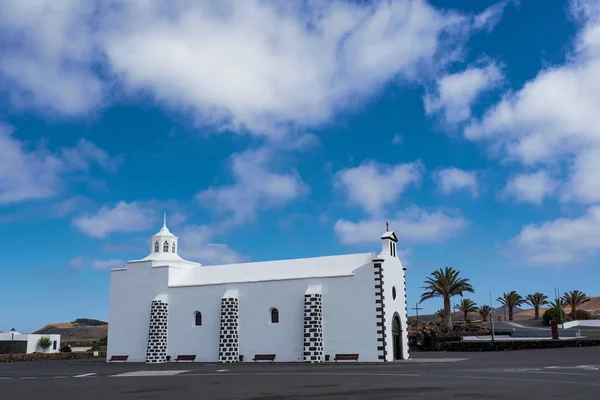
pixel 573 299
pixel 537 300
pixel 445 283
pixel 466 306
pixel 440 314
pixel 485 312
pixel 511 300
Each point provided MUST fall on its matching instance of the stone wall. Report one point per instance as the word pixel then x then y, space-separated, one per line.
pixel 156 349
pixel 19 346
pixel 229 335
pixel 517 345
pixel 313 328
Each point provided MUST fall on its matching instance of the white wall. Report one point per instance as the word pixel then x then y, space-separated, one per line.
pixel 348 316
pixel 33 340
pixel 394 276
pixel 131 293
pixel 571 324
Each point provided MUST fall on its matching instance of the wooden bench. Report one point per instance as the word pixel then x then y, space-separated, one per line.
pixel 118 358
pixel 185 357
pixel 264 357
pixel 346 357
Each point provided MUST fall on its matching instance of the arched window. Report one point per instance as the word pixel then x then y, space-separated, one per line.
pixel 166 247
pixel 156 246
pixel 198 318
pixel 393 292
pixel 274 316
pixel 173 247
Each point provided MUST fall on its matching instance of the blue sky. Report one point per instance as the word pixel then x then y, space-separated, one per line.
pixel 271 131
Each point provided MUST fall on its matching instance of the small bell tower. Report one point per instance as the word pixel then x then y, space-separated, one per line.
pixel 163 241
pixel 388 241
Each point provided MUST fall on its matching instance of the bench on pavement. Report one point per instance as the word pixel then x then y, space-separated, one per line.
pixel 118 358
pixel 264 357
pixel 185 357
pixel 346 357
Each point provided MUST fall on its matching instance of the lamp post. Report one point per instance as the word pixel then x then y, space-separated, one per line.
pixel 10 357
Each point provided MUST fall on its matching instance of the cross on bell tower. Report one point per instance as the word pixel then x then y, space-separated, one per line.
pixel 387 227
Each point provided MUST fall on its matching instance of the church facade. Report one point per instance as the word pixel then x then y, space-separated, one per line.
pixel 301 310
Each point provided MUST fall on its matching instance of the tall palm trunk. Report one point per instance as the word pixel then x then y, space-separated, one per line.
pixel 537 313
pixel 466 315
pixel 448 312
pixel 574 312
pixel 510 313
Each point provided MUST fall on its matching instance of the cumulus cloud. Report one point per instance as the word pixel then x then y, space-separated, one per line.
pixel 122 217
pixel 108 264
pixel 256 187
pixel 28 172
pixel 196 243
pixel 248 65
pixel 372 185
pixel 533 188
pixel 457 92
pixel 553 119
pixel 414 225
pixel 76 262
pixel 559 242
pixel 452 179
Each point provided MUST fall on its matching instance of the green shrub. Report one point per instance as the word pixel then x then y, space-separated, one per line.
pixel 103 341
pixel 583 315
pixel 44 342
pixel 65 349
pixel 552 314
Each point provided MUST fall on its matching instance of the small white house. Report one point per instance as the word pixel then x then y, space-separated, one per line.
pixel 25 343
pixel 300 310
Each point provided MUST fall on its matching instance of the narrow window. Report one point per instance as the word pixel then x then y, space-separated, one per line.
pixel 274 316
pixel 391 250
pixel 156 246
pixel 198 318
pixel 166 247
pixel 394 249
pixel 173 247
pixel 54 345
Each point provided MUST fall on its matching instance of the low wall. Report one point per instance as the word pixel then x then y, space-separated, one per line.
pixel 588 322
pixel 51 356
pixel 507 345
pixel 18 346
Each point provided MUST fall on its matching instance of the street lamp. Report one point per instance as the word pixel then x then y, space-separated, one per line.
pixel 12 331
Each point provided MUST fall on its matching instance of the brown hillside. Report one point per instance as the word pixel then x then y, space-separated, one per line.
pixel 77 331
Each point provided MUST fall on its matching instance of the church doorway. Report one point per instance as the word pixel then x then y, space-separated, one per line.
pixel 397 337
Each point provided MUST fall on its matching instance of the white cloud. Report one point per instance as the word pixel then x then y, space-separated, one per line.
pixel 397 139
pixel 457 92
pixel 552 119
pixel 491 15
pixel 76 262
pixel 255 187
pixel 413 225
pixel 36 173
pixel 108 264
pixel 123 217
pixel 253 64
pixel 196 244
pixel 533 188
pixel 561 241
pixel 372 185
pixel 452 179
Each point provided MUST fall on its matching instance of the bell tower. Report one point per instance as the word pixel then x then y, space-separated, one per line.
pixel 388 242
pixel 163 241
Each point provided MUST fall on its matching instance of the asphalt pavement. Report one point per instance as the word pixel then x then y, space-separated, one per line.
pixel 572 373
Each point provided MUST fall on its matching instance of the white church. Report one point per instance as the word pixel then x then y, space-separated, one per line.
pixel 344 307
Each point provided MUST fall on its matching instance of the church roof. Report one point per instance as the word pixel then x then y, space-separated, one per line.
pixel 301 268
pixel 390 235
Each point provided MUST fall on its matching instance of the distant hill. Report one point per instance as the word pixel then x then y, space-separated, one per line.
pixel 80 330
pixel 519 313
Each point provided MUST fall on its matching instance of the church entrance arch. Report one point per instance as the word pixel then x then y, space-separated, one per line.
pixel 397 337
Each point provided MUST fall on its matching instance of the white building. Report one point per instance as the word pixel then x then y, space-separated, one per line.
pixel 25 343
pixel 299 310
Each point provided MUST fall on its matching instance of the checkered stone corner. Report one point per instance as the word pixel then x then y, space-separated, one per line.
pixel 313 328
pixel 380 311
pixel 156 350
pixel 229 336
